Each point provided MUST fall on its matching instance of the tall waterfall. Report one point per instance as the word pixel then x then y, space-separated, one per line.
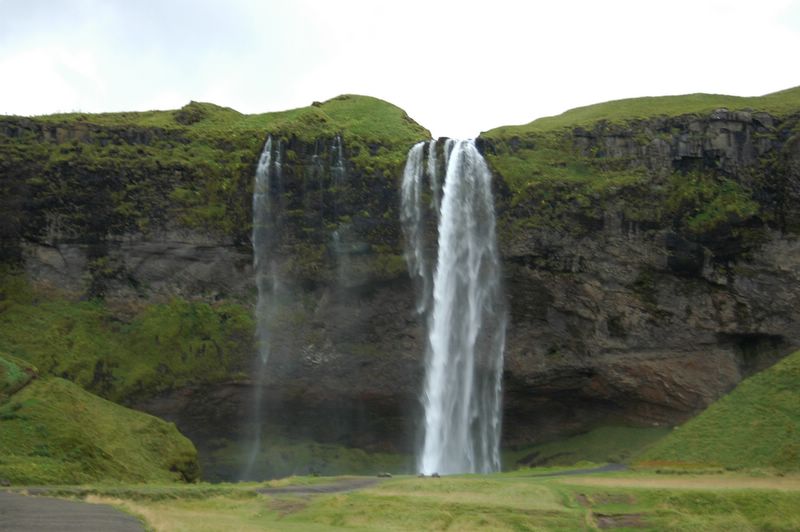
pixel 266 222
pixel 467 317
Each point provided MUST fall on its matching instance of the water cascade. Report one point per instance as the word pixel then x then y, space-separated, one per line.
pixel 266 227
pixel 411 218
pixel 467 317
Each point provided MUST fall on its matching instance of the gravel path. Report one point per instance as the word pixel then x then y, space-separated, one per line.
pixel 22 513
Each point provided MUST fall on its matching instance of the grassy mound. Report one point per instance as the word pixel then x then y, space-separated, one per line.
pixel 54 432
pixel 757 425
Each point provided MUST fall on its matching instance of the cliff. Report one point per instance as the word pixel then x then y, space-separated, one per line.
pixel 652 261
pixel 650 253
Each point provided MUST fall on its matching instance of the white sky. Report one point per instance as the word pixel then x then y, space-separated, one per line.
pixel 457 67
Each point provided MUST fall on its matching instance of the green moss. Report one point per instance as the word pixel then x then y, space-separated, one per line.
pixel 159 347
pixel 54 432
pixel 706 202
pixel 756 425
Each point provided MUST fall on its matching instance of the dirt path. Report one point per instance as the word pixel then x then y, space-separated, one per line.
pixel 22 513
pixel 316 489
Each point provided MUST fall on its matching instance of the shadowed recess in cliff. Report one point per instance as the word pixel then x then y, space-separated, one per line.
pixel 463 303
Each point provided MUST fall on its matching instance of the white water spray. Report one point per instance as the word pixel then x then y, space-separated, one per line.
pixel 467 321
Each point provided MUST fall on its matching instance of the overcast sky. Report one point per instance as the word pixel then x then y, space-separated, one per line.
pixel 457 67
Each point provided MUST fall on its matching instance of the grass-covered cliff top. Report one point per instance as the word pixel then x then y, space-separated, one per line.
pixel 645 157
pixel 192 167
pixel 362 121
pixel 620 111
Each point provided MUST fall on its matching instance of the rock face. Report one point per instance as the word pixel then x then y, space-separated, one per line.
pixel 643 320
pixel 637 310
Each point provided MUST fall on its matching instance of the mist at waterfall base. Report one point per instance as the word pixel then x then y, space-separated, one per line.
pixel 461 300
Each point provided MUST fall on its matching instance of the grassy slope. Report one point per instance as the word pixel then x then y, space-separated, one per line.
pixel 757 425
pixel 54 432
pixel 14 375
pixel 157 347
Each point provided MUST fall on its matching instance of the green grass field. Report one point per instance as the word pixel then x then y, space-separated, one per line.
pixel 628 500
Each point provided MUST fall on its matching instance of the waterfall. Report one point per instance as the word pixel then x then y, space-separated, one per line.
pixel 432 175
pixel 261 236
pixel 338 170
pixel 266 228
pixel 467 318
pixel 413 226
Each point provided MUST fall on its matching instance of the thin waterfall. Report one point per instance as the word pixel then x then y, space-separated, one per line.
pixel 467 318
pixel 411 218
pixel 261 239
pixel 338 169
pixel 342 235
pixel 266 219
pixel 433 176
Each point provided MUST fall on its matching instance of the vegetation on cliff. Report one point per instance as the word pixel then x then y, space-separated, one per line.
pixel 92 176
pixel 54 432
pixel 123 353
pixel 757 425
pixel 672 161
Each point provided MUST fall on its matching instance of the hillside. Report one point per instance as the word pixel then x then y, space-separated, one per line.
pixel 757 425
pixel 54 432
